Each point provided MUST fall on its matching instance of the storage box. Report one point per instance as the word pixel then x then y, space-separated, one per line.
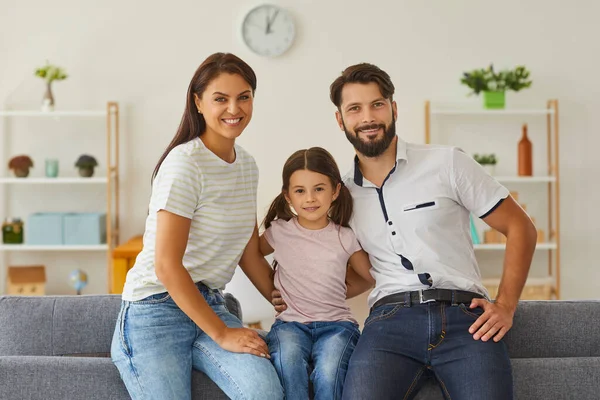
pixel 84 228
pixel 44 229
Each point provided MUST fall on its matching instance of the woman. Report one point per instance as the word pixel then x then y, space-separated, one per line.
pixel 201 225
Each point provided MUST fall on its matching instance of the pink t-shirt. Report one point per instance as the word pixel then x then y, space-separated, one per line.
pixel 311 270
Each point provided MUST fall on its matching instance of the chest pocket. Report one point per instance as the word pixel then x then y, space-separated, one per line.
pixel 427 216
pixel 425 209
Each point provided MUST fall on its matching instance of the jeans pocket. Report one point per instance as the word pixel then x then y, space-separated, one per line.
pixel 154 299
pixel 473 313
pixel 382 312
pixel 122 325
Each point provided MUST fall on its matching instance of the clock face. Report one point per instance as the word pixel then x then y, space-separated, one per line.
pixel 268 30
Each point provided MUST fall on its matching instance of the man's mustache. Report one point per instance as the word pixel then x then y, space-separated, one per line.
pixel 369 127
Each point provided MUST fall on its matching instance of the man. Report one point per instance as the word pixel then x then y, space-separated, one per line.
pixel 430 314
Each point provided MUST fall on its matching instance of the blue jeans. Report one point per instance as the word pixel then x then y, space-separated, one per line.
pixel 401 346
pixel 323 347
pixel 156 345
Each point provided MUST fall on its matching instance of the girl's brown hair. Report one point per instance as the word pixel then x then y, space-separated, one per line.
pixel 315 159
pixel 192 123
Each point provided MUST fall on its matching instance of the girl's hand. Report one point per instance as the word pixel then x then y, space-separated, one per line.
pixel 243 340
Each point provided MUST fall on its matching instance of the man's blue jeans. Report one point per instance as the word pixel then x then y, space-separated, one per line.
pixel 401 346
pixel 324 347
pixel 156 345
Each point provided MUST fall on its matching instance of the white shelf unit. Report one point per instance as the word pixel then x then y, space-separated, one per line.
pixel 110 181
pixel 29 247
pixel 551 180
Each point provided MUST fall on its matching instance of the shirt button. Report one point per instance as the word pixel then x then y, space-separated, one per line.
pixel 393 233
pixel 389 222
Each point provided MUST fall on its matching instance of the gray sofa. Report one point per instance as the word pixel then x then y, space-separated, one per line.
pixel 56 347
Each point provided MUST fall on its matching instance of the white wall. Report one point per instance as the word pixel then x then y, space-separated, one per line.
pixel 144 55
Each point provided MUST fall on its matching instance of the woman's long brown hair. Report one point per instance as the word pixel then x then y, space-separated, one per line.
pixel 192 123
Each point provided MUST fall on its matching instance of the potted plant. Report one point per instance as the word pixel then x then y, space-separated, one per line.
pixel 50 73
pixel 86 164
pixel 487 161
pixel 494 84
pixel 20 165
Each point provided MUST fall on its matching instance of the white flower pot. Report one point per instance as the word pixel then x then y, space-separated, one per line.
pixel 490 168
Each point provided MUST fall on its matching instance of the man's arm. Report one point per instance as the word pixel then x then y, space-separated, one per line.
pixel 358 277
pixel 521 236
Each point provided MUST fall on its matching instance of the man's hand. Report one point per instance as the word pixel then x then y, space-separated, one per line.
pixel 496 320
pixel 278 302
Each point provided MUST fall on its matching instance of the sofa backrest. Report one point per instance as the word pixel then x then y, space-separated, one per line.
pixel 63 325
pixel 555 328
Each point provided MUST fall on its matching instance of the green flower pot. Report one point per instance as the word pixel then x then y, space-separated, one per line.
pixel 493 100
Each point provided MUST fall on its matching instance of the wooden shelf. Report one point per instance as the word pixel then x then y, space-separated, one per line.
pixel 474 111
pixel 525 179
pixel 30 247
pixel 502 246
pixel 54 181
pixel 53 114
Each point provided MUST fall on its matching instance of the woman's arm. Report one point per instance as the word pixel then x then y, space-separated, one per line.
pixel 255 266
pixel 172 232
pixel 358 277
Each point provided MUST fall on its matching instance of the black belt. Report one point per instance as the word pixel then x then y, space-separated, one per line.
pixel 427 296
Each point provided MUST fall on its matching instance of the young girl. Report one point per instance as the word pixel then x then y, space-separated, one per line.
pixel 201 223
pixel 312 248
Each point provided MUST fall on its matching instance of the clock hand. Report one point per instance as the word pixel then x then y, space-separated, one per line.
pixel 271 20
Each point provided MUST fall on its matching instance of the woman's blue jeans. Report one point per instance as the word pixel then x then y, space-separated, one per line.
pixel 156 345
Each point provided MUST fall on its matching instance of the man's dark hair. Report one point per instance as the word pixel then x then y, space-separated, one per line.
pixel 361 73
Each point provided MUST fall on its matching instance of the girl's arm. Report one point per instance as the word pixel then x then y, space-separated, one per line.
pixel 358 277
pixel 172 232
pixel 255 266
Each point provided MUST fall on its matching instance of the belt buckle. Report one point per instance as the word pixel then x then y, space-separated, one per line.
pixel 421 300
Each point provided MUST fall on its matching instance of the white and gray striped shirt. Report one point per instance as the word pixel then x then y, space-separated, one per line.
pixel 219 198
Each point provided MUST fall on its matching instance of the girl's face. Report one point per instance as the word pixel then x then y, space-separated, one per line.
pixel 226 105
pixel 311 195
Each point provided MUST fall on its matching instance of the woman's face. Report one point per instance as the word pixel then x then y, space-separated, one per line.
pixel 226 105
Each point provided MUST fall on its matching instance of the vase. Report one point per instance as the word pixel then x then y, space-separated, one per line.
pixel 493 100
pixel 490 168
pixel 86 172
pixel 21 172
pixel 51 168
pixel 48 101
pixel 525 166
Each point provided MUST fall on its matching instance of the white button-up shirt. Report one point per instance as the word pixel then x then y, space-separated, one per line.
pixel 416 226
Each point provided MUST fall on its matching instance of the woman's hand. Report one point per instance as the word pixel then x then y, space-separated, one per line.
pixel 243 340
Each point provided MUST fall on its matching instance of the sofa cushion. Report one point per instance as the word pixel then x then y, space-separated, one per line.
pixel 549 329
pixel 80 378
pixel 64 325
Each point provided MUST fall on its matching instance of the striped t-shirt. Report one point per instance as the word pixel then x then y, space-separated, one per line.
pixel 219 198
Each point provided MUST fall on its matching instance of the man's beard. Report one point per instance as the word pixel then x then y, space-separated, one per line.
pixel 372 147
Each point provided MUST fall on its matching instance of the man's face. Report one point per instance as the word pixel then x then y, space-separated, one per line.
pixel 367 118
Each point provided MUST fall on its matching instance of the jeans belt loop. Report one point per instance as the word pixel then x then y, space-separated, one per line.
pixel 453 300
pixel 407 300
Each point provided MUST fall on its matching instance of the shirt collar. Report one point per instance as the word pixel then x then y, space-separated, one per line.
pixel 400 155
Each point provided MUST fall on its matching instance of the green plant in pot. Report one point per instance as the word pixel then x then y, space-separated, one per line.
pixel 494 84
pixel 50 73
pixel 20 165
pixel 86 165
pixel 487 161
